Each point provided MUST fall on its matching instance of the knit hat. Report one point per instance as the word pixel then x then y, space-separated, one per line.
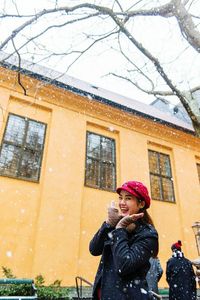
pixel 137 189
pixel 176 246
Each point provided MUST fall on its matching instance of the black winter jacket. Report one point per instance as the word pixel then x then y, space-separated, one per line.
pixel 124 262
pixel 181 278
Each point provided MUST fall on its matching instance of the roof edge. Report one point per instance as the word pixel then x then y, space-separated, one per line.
pixel 92 95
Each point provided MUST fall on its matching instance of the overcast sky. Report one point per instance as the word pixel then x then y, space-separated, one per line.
pixel 161 36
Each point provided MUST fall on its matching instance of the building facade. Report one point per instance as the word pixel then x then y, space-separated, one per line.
pixel 63 153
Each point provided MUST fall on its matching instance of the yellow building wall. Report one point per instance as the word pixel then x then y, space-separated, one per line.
pixel 46 227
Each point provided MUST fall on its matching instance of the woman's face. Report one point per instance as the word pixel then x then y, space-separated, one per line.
pixel 128 204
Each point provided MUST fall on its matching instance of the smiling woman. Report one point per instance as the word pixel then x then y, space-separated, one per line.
pixel 129 204
pixel 126 241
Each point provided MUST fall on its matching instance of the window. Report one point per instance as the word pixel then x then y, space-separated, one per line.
pixel 198 171
pixel 100 171
pixel 161 177
pixel 22 148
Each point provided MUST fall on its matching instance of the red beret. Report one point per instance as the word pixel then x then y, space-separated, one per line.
pixel 137 189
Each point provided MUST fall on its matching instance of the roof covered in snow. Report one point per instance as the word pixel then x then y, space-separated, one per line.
pixel 174 110
pixel 96 93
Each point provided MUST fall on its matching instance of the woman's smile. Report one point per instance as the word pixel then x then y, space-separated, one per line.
pixel 128 204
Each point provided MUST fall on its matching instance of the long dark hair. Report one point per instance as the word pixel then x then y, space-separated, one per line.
pixel 147 218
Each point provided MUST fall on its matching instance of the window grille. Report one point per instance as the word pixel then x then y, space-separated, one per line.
pixel 198 171
pixel 161 179
pixel 100 168
pixel 22 148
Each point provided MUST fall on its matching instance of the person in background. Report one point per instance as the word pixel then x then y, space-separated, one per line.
pixel 125 241
pixel 180 275
pixel 154 274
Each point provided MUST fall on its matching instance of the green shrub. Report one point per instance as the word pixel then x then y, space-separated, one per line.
pixel 53 291
pixel 39 280
pixel 50 292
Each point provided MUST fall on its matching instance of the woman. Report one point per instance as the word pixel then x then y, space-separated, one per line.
pixel 126 242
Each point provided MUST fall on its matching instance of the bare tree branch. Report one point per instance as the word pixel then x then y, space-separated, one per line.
pixel 123 20
pixel 157 65
pixel 186 25
pixel 19 69
pixel 51 27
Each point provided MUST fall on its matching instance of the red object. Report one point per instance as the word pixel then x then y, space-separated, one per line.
pixel 99 293
pixel 176 246
pixel 137 189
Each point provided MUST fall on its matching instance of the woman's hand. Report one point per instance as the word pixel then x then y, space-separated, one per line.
pixel 127 220
pixel 113 215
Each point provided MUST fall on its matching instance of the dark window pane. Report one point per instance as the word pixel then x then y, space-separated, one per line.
pixel 92 172
pixel 21 149
pixel 107 150
pixel 168 192
pixel 9 160
pixel 107 176
pixel 93 148
pixel 100 162
pixel 15 130
pixel 198 171
pixel 35 135
pixel 153 162
pixel 156 188
pixel 161 176
pixel 30 165
pixel 165 165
